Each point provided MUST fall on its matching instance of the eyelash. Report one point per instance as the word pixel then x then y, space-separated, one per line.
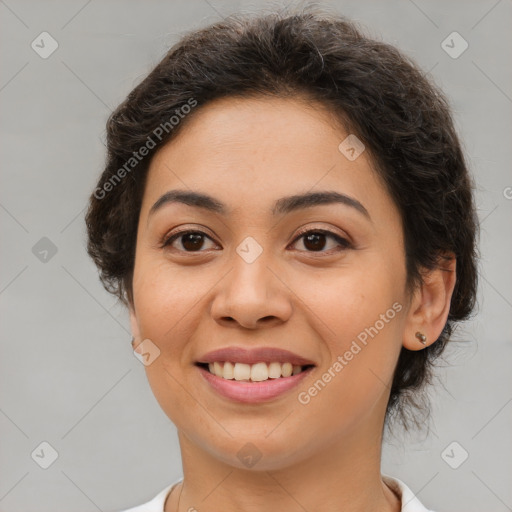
pixel 342 241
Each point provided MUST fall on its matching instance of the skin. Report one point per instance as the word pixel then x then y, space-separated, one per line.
pixel 325 455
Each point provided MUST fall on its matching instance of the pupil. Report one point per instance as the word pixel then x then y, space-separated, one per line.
pixel 313 241
pixel 313 238
pixel 192 241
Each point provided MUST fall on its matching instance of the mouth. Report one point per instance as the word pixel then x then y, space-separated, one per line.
pixel 253 376
pixel 258 372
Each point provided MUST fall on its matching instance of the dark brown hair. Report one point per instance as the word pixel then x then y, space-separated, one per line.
pixel 374 91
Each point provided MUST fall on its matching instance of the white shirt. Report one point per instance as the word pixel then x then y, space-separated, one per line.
pixel 409 501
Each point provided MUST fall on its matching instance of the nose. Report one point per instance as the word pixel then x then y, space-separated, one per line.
pixel 252 295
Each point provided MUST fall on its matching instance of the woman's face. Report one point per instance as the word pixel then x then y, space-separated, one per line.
pixel 249 278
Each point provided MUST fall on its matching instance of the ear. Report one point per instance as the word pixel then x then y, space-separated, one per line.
pixel 430 304
pixel 134 327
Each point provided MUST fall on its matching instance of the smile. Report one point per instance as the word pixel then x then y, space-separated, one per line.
pixel 253 372
pixel 255 383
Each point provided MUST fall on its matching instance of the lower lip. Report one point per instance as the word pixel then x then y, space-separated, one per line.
pixel 253 392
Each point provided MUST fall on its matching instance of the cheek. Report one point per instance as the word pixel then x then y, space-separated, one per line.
pixel 163 308
pixel 165 298
pixel 350 301
pixel 360 315
pixel 169 303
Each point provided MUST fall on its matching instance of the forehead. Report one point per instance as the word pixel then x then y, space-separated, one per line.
pixel 250 152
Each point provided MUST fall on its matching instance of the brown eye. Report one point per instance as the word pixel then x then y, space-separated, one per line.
pixel 316 240
pixel 191 241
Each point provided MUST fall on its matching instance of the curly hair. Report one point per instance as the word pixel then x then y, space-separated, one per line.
pixel 370 87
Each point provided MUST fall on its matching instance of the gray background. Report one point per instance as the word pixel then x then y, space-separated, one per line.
pixel 68 376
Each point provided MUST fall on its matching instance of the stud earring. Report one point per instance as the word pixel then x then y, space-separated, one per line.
pixel 421 337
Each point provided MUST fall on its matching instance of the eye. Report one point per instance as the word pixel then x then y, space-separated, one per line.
pixel 315 240
pixel 191 240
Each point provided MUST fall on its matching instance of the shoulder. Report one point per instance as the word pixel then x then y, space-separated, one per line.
pixel 157 503
pixel 410 503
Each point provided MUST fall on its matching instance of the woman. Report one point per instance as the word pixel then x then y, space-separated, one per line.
pixel 287 214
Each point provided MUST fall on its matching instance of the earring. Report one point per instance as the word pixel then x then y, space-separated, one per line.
pixel 421 337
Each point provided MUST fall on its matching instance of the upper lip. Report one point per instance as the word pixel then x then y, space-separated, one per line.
pixel 254 355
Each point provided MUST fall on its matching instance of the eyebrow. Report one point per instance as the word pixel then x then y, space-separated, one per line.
pixel 283 205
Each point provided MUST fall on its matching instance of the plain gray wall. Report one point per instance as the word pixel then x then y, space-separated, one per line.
pixel 68 375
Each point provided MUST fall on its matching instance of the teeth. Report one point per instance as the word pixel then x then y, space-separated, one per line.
pixel 217 369
pixel 229 370
pixel 256 372
pixel 241 371
pixel 259 372
pixel 274 370
pixel 286 369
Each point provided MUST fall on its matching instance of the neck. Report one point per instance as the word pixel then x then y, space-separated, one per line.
pixel 345 476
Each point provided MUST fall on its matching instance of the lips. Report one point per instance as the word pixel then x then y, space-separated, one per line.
pixel 253 387
pixel 252 392
pixel 253 356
